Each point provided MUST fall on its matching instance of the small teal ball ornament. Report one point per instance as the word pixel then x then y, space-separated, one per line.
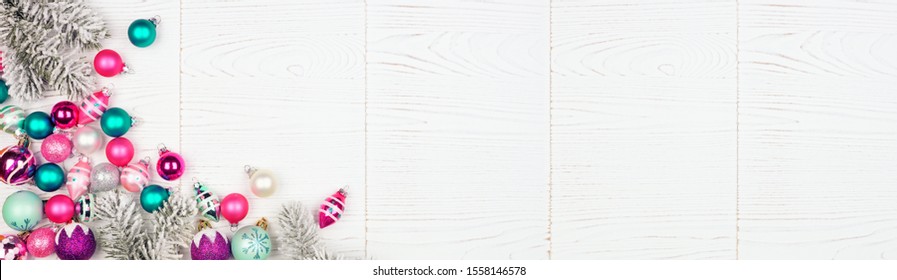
pixel 251 243
pixel 22 210
pixel 116 122
pixel 152 197
pixel 142 32
pixel 38 125
pixel 4 91
pixel 49 177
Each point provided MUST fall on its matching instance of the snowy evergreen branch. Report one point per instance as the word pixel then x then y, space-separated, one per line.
pixel 124 227
pixel 125 237
pixel 172 227
pixel 298 238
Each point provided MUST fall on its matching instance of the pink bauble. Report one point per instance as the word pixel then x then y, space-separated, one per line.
pixel 59 209
pixel 56 148
pixel 93 106
pixel 65 114
pixel 119 151
pixel 234 208
pixel 135 176
pixel 108 63
pixel 170 165
pixel 41 242
pixel 78 179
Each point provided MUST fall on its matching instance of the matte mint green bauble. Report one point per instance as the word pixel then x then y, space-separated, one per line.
pixel 115 122
pixel 152 197
pixel 251 243
pixel 38 125
pixel 4 91
pixel 142 33
pixel 22 210
pixel 49 177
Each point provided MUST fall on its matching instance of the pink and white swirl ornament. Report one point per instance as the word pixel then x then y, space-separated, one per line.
pixel 77 181
pixel 332 208
pixel 93 106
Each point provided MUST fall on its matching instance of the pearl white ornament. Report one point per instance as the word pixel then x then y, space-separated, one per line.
pixel 87 140
pixel 261 182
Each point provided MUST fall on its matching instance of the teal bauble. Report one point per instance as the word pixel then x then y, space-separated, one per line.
pixel 22 210
pixel 4 91
pixel 152 197
pixel 38 125
pixel 116 122
pixel 49 177
pixel 142 32
pixel 251 243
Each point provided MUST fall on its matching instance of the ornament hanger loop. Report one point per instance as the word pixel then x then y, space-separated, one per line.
pixel 344 190
pixel 162 147
pixel 249 169
pixel 107 90
pixel 127 70
pixel 156 19
pixel 146 159
pixel 233 227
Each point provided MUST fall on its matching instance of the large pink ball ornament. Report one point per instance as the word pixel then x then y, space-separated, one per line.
pixel 41 243
pixel 56 148
pixel 59 209
pixel 170 165
pixel 108 63
pixel 234 208
pixel 120 151
pixel 65 114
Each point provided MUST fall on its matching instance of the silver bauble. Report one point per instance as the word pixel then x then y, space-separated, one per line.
pixel 87 140
pixel 104 177
pixel 261 182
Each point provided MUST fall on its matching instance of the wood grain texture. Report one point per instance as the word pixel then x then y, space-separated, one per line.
pixel 643 129
pixel 457 158
pixel 278 85
pixel 818 141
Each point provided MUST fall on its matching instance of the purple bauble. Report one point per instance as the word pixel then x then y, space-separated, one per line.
pixel 17 165
pixel 56 148
pixel 170 165
pixel 13 248
pixel 210 244
pixel 75 242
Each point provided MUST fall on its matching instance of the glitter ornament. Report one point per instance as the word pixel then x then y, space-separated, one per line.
pixel 11 118
pixel 135 176
pixel 64 114
pixel 49 177
pixel 332 208
pixel 116 122
pixel 171 165
pixel 59 209
pixel 142 32
pixel 208 203
pixel 87 140
pixel 77 180
pixel 251 242
pixel 22 210
pixel 261 182
pixel 234 208
pixel 83 208
pixel 17 164
pixel 120 151
pixel 56 148
pixel 108 63
pixel 209 244
pixel 41 243
pixel 104 177
pixel 75 241
pixel 153 197
pixel 38 125
pixel 14 248
pixel 93 106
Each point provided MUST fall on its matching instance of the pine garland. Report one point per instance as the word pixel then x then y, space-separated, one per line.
pixel 299 238
pixel 126 238
pixel 45 42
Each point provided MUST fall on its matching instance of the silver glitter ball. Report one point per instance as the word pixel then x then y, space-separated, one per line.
pixel 104 177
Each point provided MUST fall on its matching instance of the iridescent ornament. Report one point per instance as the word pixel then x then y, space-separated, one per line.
pixel 120 151
pixel 171 165
pixel 332 208
pixel 59 209
pixel 14 248
pixel 11 118
pixel 142 32
pixel 153 197
pixel 135 176
pixel 261 182
pixel 17 164
pixel 104 177
pixel 209 244
pixel 234 208
pixel 38 125
pixel 41 242
pixel 49 177
pixel 116 122
pixel 77 181
pixel 56 148
pixel 83 208
pixel 108 63
pixel 64 114
pixel 75 241
pixel 251 243
pixel 208 203
pixel 22 210
pixel 93 107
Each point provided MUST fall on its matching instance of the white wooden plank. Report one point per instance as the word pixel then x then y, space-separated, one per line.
pixel 457 164
pixel 818 144
pixel 643 129
pixel 278 85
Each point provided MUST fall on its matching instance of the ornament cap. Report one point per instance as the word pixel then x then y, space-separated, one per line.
pixel 145 161
pixel 344 190
pixel 203 224
pixel 156 20
pixel 250 170
pixel 162 148
pixel 262 223
pixel 127 70
pixel 107 90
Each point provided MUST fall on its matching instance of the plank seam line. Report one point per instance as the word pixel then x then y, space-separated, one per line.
pixel 550 123
pixel 180 78
pixel 365 129
pixel 737 128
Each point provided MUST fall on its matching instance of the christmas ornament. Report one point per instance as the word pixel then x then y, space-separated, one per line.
pixel 261 182
pixel 77 180
pixel 119 151
pixel 41 243
pixel 87 140
pixel 234 208
pixel 83 208
pixel 22 210
pixel 142 32
pixel 93 107
pixel 4 90
pixel 135 176
pixel 170 165
pixel 108 63
pixel 56 148
pixel 332 208
pixel 298 238
pixel 11 118
pixel 252 242
pixel 17 164
pixel 14 248
pixel 75 241
pixel 209 244
pixel 38 125
pixel 59 209
pixel 104 177
pixel 207 202
pixel 65 114
pixel 116 122
pixel 49 177
pixel 152 197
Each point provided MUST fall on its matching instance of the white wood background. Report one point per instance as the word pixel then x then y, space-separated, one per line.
pixel 536 129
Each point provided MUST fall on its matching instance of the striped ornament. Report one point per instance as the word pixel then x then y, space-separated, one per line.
pixel 135 176
pixel 11 118
pixel 332 208
pixel 207 202
pixel 93 107
pixel 17 164
pixel 77 180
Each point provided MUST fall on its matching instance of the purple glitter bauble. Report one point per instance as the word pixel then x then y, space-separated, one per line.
pixel 75 242
pixel 13 248
pixel 210 244
pixel 17 165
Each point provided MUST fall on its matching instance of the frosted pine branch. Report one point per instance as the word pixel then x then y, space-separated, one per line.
pixel 172 227
pixel 124 225
pixel 298 237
